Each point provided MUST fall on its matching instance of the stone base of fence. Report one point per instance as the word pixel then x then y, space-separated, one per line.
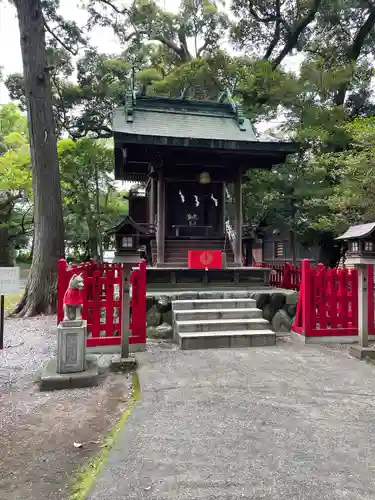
pixel 333 339
pixel 360 352
pixel 114 349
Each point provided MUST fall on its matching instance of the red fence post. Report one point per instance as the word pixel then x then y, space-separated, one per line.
pixel 138 305
pixel 142 301
pixel 133 325
pixel 353 273
pixel 370 298
pixel 286 281
pixel 306 304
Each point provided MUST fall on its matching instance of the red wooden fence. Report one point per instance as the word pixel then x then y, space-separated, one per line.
pixel 283 275
pixel 371 301
pixel 328 302
pixel 102 305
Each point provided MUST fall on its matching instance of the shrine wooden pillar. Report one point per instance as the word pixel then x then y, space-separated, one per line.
pixel 160 234
pixel 151 206
pixel 238 219
pixel 223 203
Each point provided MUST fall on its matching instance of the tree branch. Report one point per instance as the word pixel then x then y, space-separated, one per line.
pixel 276 37
pixel 24 217
pixel 173 46
pixel 203 48
pixel 62 105
pixel 58 39
pixel 354 52
pixel 183 42
pixel 116 9
pixel 10 200
pixel 295 34
pixel 269 19
pixel 100 132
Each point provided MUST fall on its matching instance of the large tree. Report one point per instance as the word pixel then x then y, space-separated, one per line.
pixel 41 289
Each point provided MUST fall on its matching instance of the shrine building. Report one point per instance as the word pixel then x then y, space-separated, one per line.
pixel 192 157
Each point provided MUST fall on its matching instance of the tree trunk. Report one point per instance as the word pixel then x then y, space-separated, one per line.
pixel 6 259
pixel 41 290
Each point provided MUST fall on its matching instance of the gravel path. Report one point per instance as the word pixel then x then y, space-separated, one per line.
pixel 38 429
pixel 287 422
pixel 28 343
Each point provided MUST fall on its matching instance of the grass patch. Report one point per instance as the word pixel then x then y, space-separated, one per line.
pixel 11 301
pixel 86 477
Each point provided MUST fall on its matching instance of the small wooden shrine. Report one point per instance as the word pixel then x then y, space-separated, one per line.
pixel 188 154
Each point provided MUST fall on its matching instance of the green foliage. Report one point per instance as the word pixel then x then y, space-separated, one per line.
pixel 11 121
pixel 91 201
pixel 90 198
pixel 353 197
pixel 15 179
pixel 326 106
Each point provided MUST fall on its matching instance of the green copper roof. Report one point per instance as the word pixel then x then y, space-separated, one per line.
pixel 183 118
pixel 188 134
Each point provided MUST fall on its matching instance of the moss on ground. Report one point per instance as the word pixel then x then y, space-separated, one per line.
pixel 11 301
pixel 86 477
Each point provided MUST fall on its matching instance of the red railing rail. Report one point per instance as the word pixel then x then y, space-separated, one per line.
pixel 283 275
pixel 328 302
pixel 102 301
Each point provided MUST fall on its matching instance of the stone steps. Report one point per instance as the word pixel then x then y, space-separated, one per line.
pixel 211 295
pixel 222 325
pixel 215 314
pixel 216 340
pixel 212 321
pixel 220 303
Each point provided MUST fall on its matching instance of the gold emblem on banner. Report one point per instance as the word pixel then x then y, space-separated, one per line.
pixel 206 258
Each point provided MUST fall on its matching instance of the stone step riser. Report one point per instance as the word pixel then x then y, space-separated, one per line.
pixel 207 304
pixel 197 315
pixel 202 242
pixel 182 254
pixel 184 258
pixel 196 246
pixel 225 342
pixel 184 251
pixel 215 295
pixel 187 247
pixel 220 326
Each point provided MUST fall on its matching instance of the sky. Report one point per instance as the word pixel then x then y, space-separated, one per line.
pixel 11 60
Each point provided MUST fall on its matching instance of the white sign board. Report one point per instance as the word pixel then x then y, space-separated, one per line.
pixel 9 280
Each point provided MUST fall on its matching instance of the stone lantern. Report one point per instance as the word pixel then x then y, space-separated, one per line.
pixel 361 244
pixel 361 253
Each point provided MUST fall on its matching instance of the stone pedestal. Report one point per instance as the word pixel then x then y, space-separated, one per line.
pixel 50 380
pixel 71 368
pixel 362 352
pixel 71 346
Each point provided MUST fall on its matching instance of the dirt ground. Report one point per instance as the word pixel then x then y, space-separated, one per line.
pixel 38 429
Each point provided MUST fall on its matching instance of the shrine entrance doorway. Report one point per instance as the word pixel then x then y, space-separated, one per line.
pixel 194 210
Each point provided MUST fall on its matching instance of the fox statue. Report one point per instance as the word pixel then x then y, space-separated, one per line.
pixel 73 298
